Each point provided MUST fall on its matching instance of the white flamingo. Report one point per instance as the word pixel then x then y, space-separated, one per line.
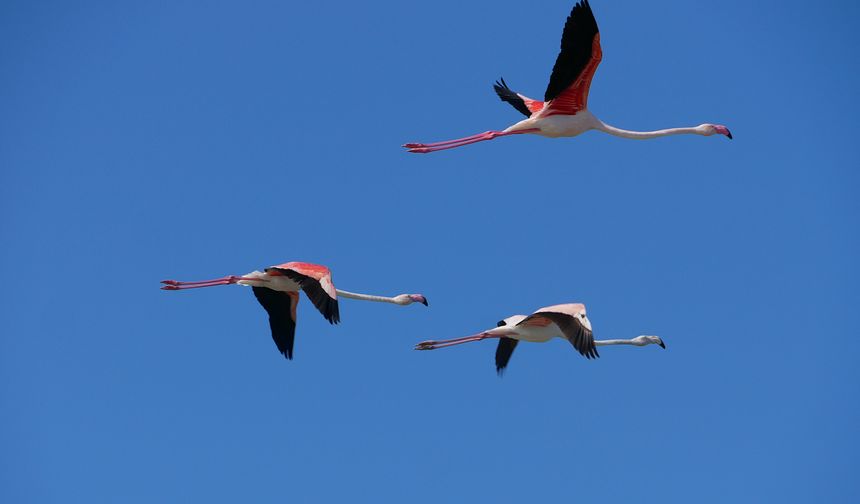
pixel 566 321
pixel 277 289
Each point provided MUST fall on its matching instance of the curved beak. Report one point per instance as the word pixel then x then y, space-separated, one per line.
pixel 722 130
pixel 662 345
pixel 418 298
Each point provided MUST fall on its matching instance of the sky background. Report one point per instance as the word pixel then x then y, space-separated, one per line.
pixel 190 140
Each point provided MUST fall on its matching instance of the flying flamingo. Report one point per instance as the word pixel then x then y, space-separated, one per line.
pixel 566 321
pixel 277 289
pixel 564 112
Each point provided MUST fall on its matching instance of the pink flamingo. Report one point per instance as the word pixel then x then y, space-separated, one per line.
pixel 277 289
pixel 566 321
pixel 564 112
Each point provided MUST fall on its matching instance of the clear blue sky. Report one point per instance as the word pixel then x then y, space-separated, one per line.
pixel 195 139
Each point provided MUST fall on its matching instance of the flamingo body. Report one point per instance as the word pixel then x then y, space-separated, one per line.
pixel 557 125
pixel 317 272
pixel 274 282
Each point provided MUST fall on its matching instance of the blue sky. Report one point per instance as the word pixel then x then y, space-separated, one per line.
pixel 190 140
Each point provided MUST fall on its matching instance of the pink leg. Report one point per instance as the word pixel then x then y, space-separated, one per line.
pixel 177 282
pixel 446 142
pixel 433 345
pixel 489 135
pixel 425 150
pixel 194 286
pixel 227 280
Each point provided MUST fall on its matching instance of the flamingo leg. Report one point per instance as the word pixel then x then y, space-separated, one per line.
pixel 227 280
pixel 425 150
pixel 450 144
pixel 446 142
pixel 177 282
pixel 194 286
pixel 433 345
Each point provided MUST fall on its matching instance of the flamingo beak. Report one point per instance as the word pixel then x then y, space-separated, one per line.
pixel 662 345
pixel 722 130
pixel 418 298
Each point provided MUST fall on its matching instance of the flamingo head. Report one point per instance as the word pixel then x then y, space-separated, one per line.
pixel 715 129
pixel 408 299
pixel 649 340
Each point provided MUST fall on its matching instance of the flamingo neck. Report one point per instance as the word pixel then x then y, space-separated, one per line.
pixel 365 297
pixel 608 342
pixel 645 135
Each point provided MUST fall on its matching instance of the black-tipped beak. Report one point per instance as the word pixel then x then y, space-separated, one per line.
pixel 418 298
pixel 728 134
pixel 662 345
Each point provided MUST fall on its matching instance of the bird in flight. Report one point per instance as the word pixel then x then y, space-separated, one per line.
pixel 277 289
pixel 565 321
pixel 564 111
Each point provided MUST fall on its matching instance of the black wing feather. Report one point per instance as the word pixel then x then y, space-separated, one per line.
pixel 576 40
pixel 279 307
pixel 506 94
pixel 503 353
pixel 323 302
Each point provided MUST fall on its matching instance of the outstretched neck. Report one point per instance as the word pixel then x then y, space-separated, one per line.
pixel 608 342
pixel 365 297
pixel 642 340
pixel 645 135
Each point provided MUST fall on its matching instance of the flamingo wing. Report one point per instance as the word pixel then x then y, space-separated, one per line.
pixel 315 281
pixel 504 350
pixel 281 307
pixel 524 104
pixel 503 353
pixel 567 92
pixel 579 336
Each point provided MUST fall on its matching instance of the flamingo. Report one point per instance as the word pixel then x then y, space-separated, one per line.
pixel 277 289
pixel 565 321
pixel 564 111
